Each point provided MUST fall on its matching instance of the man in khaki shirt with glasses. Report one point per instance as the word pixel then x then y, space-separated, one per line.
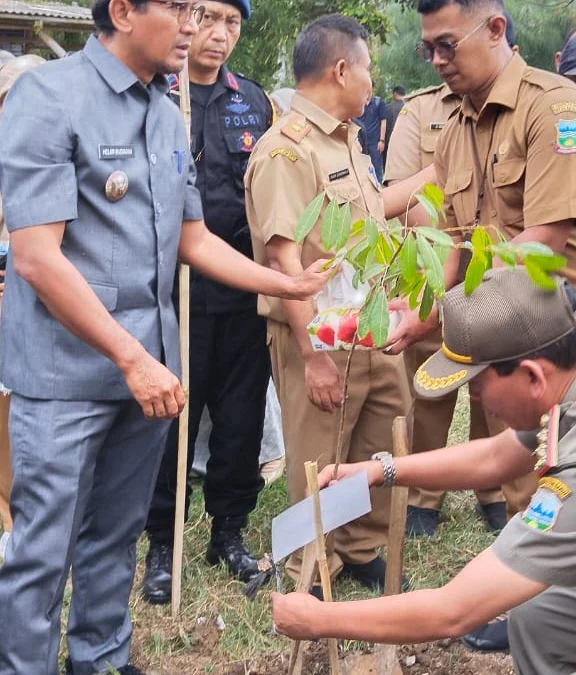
pixel 505 158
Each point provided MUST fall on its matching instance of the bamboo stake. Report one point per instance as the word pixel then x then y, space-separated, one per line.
pixel 386 658
pixel 184 313
pixel 312 480
pixel 308 572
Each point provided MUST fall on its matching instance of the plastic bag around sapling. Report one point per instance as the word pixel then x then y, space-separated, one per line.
pixel 338 306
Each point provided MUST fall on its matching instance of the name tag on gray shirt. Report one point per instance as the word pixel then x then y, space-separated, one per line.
pixel 115 151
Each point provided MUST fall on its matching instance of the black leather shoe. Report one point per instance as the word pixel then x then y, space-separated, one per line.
pixel 421 522
pixel 317 592
pixel 157 584
pixel 125 670
pixel 371 575
pixel 493 637
pixel 494 514
pixel 227 546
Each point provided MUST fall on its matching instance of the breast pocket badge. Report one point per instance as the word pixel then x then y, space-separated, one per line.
pixel 116 186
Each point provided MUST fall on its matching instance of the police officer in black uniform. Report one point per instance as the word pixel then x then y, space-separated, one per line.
pixel 229 361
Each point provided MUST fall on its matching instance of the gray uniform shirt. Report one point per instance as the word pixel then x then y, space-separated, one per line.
pixel 541 542
pixel 65 128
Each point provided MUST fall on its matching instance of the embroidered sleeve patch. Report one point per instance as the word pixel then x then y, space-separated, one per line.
pixel 567 106
pixel 285 152
pixel 565 137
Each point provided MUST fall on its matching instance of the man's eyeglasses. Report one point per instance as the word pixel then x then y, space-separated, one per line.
pixel 445 49
pixel 184 11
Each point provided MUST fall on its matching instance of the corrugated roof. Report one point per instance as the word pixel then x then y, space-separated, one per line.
pixel 39 11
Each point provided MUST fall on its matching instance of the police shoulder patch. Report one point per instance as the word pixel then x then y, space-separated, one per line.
pixel 284 152
pixel 296 128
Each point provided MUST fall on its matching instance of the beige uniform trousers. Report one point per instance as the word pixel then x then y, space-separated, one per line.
pixel 378 392
pixel 5 471
pixel 432 419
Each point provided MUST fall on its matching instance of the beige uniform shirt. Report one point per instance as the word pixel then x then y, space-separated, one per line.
pixel 304 153
pixel 526 140
pixel 418 128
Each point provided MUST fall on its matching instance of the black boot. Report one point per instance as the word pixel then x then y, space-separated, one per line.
pixel 157 584
pixel 226 545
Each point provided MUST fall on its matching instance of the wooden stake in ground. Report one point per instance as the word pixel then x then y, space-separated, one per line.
pixel 312 480
pixel 383 660
pixel 184 314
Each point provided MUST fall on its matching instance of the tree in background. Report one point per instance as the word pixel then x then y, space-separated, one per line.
pixel 541 30
pixel 264 52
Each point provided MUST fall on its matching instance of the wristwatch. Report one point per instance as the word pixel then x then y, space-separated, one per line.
pixel 388 466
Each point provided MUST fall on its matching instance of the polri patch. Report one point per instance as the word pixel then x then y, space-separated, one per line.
pixel 566 106
pixel 338 174
pixel 565 137
pixel 542 512
pixel 285 152
pixel 115 152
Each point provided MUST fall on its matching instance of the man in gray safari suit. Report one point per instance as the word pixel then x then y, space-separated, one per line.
pixel 100 201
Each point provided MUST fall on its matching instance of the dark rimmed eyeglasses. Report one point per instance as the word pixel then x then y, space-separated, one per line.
pixel 445 49
pixel 184 11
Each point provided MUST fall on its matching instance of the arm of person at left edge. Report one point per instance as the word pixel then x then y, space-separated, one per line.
pixel 214 258
pixel 398 198
pixel 481 591
pixel 475 465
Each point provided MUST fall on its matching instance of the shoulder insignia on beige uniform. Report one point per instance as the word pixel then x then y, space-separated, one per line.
pixel 296 128
pixel 424 90
pixel 566 106
pixel 285 152
pixel 545 80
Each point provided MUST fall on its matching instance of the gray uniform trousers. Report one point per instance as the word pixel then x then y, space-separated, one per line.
pixel 84 473
pixel 542 633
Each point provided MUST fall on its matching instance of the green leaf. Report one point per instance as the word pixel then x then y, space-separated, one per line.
pixel 372 231
pixel 475 272
pixel 437 236
pixel 409 258
pixel 384 252
pixel 431 264
pixel 309 218
pixel 356 279
pixel 539 277
pixel 505 253
pixel 442 252
pixel 364 318
pixel 357 228
pixel 330 225
pixel 533 248
pixel 345 225
pixel 379 318
pixel 374 270
pixel 481 240
pixel 358 249
pixel 414 297
pixel 551 263
pixel 429 208
pixel 427 303
pixel 435 195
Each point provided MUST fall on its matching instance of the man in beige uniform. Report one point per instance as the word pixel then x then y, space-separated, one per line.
pixel 506 157
pixel 412 147
pixel 310 150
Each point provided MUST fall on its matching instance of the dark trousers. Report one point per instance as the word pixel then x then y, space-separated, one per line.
pixel 229 373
